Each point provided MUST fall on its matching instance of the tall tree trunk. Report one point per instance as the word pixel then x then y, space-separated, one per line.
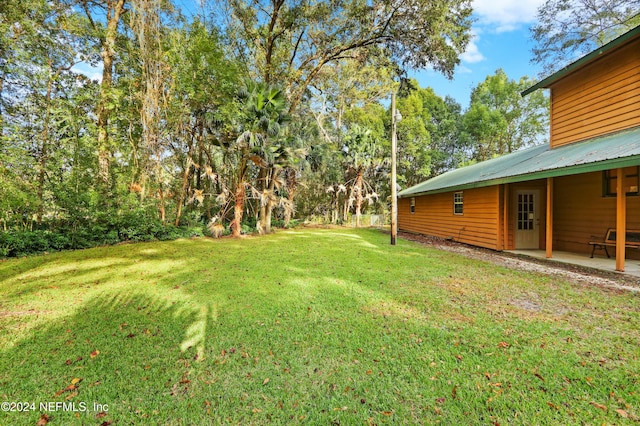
pixel 269 204
pixel 185 184
pixel 42 164
pixel 1 111
pixel 287 212
pixel 272 37
pixel 358 190
pixel 292 186
pixel 45 135
pixel 240 195
pixel 115 8
pixel 146 24
pixel 345 209
pixel 263 179
pixel 200 142
pixel 238 209
pixel 161 207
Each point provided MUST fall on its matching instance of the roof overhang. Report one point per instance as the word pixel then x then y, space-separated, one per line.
pixel 596 54
pixel 618 150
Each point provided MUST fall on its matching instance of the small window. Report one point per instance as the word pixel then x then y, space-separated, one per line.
pixel 413 205
pixel 457 203
pixel 610 182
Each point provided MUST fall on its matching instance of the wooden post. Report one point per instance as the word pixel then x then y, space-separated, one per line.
pixel 499 228
pixel 621 221
pixel 505 218
pixel 394 195
pixel 549 221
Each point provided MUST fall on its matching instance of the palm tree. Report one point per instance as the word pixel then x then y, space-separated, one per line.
pixel 263 115
pixel 363 154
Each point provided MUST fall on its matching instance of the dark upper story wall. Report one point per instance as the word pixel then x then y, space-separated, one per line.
pixel 600 98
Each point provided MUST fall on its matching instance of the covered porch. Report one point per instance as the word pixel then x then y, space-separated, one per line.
pixel 632 267
pixel 580 192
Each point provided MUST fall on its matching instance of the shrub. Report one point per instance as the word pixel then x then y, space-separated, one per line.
pixel 194 231
pixel 169 232
pixel 20 243
pixel 104 228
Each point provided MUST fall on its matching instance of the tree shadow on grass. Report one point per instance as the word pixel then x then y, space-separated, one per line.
pixel 133 355
pixel 276 332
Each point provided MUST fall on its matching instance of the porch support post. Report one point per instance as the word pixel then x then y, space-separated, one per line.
pixel 549 221
pixel 505 218
pixel 621 221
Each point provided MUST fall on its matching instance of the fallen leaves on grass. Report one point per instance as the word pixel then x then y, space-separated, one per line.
pixel 72 387
pixel 44 419
pixel 622 413
pixel 539 376
pixel 599 406
pixel 94 353
pixel 69 361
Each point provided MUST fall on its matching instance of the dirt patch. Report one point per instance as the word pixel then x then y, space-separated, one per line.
pixel 574 273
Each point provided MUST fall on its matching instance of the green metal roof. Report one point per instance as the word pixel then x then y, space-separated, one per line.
pixel 621 149
pixel 584 60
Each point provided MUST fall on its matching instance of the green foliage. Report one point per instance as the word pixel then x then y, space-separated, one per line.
pixel 567 29
pixel 22 243
pixel 302 39
pixel 263 117
pixel 370 116
pixel 414 139
pixel 103 229
pixel 162 136
pixel 499 120
pixel 428 134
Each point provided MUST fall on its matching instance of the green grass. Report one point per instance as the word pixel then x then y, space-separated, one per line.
pixel 310 327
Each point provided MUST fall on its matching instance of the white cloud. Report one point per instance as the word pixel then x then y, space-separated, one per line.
pixel 505 15
pixel 472 54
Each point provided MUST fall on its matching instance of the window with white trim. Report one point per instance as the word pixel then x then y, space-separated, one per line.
pixel 458 203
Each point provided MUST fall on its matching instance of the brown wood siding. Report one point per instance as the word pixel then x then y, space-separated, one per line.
pixel 478 225
pixel 600 98
pixel 581 213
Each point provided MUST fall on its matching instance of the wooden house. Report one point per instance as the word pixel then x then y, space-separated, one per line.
pixel 562 195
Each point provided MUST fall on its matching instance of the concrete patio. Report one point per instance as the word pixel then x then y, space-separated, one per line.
pixel 631 266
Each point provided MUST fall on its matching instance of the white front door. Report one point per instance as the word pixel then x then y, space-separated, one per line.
pixel 527 220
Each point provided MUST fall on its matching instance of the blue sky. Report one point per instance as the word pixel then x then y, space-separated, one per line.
pixel 501 40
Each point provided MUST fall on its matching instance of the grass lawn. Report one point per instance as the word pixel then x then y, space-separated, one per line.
pixel 312 327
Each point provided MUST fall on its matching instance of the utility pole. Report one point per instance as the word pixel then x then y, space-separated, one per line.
pixel 394 196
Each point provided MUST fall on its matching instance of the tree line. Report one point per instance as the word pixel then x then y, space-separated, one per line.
pixel 137 119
